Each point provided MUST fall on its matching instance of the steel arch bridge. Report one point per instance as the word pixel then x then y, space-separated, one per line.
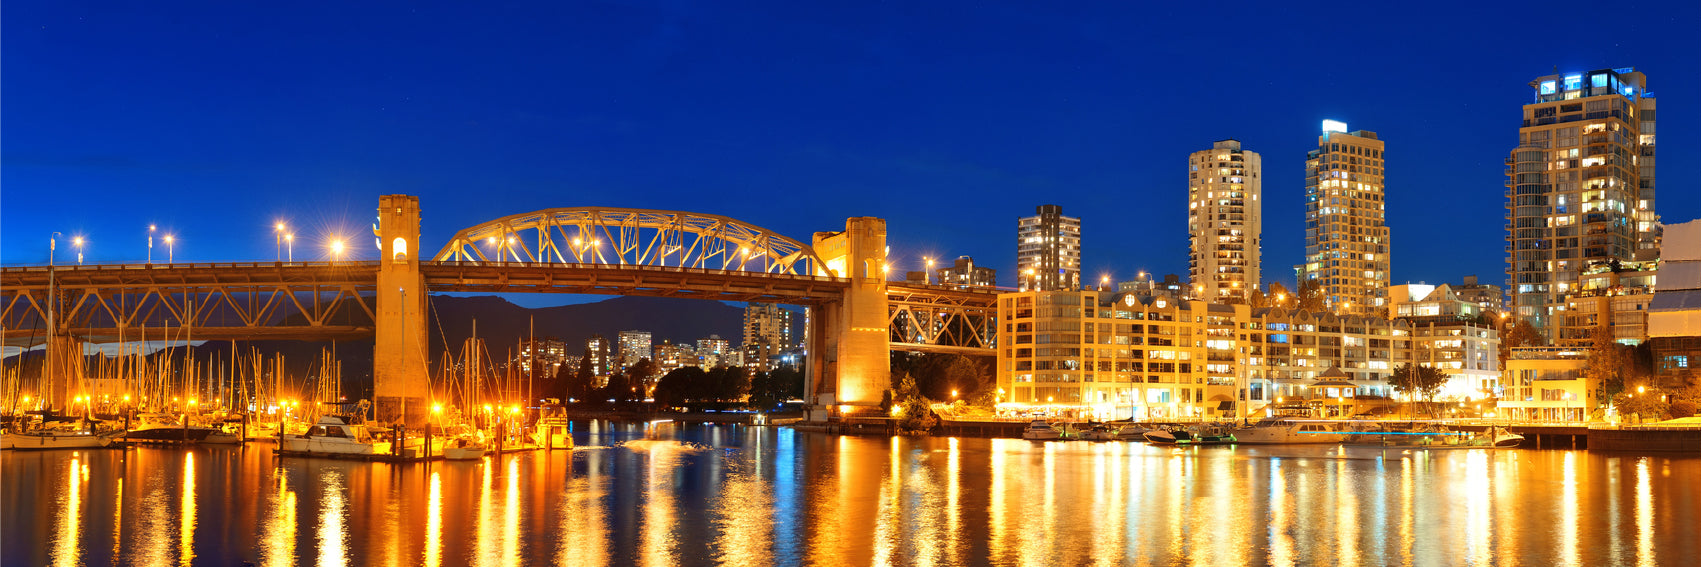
pixel 642 237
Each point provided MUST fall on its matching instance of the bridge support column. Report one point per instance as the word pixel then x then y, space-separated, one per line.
pixel 400 389
pixel 854 367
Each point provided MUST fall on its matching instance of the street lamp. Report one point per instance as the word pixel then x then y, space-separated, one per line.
pixel 150 244
pixel 1104 281
pixel 170 250
pixel 336 250
pixel 278 238
pixel 289 242
pixel 78 242
pixel 927 276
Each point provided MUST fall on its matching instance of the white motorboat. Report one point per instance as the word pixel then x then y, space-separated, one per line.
pixel 54 439
pixel 555 432
pixel 1289 430
pixel 1159 437
pixel 464 448
pixel 1040 430
pixel 1501 438
pixel 333 435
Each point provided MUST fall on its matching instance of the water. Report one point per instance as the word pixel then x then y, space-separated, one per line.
pixel 731 495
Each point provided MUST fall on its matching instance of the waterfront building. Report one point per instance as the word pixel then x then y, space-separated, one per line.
pixel 669 356
pixel 1580 187
pixel 547 354
pixel 1675 313
pixel 1112 355
pixel 1347 241
pixel 1048 250
pixel 1610 297
pixel 1451 335
pixel 634 346
pixel 1489 298
pixel 1224 221
pixel 1549 384
pixel 964 273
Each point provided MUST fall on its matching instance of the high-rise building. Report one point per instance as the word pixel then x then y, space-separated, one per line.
pixel 964 273
pixel 1580 187
pixel 1224 221
pixel 712 352
pixel 602 359
pixel 634 346
pixel 768 332
pixel 1048 250
pixel 1347 241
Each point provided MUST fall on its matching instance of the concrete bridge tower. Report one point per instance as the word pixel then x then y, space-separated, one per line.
pixel 854 366
pixel 401 390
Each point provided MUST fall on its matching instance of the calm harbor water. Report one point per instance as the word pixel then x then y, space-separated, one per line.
pixel 669 494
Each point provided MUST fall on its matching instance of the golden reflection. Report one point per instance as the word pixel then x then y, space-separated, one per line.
pixel 1405 528
pixel 1173 488
pixel 1282 544
pixel 746 522
pixel 66 549
pixel 277 549
pixel 996 512
pixel 1478 498
pixel 1347 507
pixel 1109 501
pixel 954 503
pixel 658 536
pixel 333 535
pixel 584 539
pixel 1569 510
pixel 486 535
pixel 511 516
pixel 434 521
pixel 886 521
pixel 118 521
pixel 186 530
pixel 1645 515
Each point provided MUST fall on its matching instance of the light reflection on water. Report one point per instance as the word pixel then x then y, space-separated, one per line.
pixel 723 495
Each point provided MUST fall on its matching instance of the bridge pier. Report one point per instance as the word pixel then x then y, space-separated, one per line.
pixel 401 389
pixel 854 366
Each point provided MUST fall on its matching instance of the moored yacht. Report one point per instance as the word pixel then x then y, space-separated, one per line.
pixel 1289 430
pixel 1040 430
pixel 54 439
pixel 333 435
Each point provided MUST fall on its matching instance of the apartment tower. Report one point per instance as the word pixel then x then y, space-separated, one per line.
pixel 1580 187
pixel 1347 241
pixel 1224 222
pixel 1048 250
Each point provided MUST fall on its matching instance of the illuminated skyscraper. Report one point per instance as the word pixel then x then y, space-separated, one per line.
pixel 768 332
pixel 1224 222
pixel 1048 250
pixel 1347 242
pixel 1580 187
pixel 634 346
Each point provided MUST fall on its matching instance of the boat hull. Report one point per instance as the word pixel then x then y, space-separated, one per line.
pixel 34 441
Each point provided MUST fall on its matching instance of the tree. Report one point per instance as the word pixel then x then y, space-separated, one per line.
pixel 679 386
pixel 1420 382
pixel 641 375
pixel 1310 296
pixel 577 386
pixel 727 384
pixel 915 417
pixel 1279 296
pixel 1521 334
pixel 769 389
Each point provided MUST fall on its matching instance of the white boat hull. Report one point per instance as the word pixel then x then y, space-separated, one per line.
pixel 53 440
pixel 463 453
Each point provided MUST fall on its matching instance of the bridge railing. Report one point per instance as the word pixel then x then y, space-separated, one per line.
pixel 44 268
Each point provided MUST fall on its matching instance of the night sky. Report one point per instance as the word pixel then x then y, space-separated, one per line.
pixel 216 120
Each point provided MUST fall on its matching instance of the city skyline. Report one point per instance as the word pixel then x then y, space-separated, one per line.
pixel 984 127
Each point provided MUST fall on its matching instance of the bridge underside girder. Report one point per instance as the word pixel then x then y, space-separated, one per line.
pixel 607 279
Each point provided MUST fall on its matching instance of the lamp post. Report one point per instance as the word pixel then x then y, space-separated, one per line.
pixel 927 276
pixel 78 242
pixel 52 307
pixel 170 250
pixel 289 243
pixel 336 250
pixel 150 244
pixel 278 239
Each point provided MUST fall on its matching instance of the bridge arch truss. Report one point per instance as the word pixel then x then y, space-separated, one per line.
pixel 641 237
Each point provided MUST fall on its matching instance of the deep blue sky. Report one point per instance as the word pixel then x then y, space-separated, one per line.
pixel 949 120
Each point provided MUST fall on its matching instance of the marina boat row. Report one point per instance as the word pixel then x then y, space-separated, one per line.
pixel 1285 431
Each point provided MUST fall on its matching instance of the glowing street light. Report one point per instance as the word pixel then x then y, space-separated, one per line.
pixel 336 249
pixel 78 242
pixel 170 250
pixel 289 243
pixel 278 238
pixel 150 244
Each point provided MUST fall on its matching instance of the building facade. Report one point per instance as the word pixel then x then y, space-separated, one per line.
pixel 1549 384
pixel 1580 187
pixel 1224 221
pixel 1048 250
pixel 768 332
pixel 602 355
pixel 1610 297
pixel 714 351
pixel 1675 314
pixel 964 273
pixel 1347 240
pixel 1114 355
pixel 634 346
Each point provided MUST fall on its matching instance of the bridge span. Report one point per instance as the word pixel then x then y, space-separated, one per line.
pixel 856 317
